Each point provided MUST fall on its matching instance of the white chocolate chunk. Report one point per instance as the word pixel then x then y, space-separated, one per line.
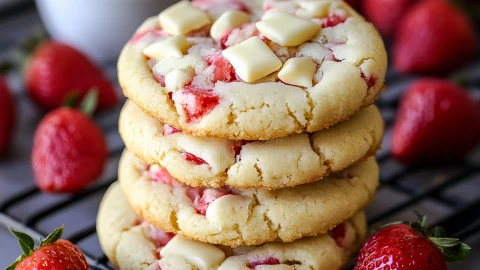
pixel 167 64
pixel 182 18
pixel 252 59
pixel 217 153
pixel 204 256
pixel 233 204
pixel 315 9
pixel 175 46
pixel 178 78
pixel 229 20
pixel 298 71
pixel 286 29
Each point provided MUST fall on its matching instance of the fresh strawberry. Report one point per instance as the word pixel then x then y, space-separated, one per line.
pixel 410 246
pixel 55 69
pixel 433 37
pixel 7 115
pixel 385 14
pixel 436 122
pixel 53 253
pixel 69 151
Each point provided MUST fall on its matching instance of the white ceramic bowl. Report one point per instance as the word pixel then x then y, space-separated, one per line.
pixel 97 27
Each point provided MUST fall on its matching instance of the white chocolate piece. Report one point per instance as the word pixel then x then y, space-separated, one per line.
pixel 286 29
pixel 178 78
pixel 233 204
pixel 228 21
pixel 204 256
pixel 182 18
pixel 315 9
pixel 202 148
pixel 298 71
pixel 252 59
pixel 175 46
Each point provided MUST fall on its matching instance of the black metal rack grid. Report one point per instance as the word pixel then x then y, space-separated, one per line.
pixel 451 195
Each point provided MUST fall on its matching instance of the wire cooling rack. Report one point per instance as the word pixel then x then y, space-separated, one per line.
pixel 450 195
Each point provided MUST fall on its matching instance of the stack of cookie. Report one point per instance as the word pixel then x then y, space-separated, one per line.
pixel 250 133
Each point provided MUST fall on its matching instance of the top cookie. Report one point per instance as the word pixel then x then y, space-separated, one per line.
pixel 225 69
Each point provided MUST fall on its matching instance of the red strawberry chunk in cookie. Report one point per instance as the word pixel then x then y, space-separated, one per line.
pixel 263 261
pixel 160 175
pixel 159 236
pixel 369 80
pixel 338 234
pixel 222 69
pixel 193 159
pixel 333 20
pixel 150 32
pixel 202 197
pixel 160 79
pixel 167 130
pixel 220 6
pixel 238 35
pixel 198 102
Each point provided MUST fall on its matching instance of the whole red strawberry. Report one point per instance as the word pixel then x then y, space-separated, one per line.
pixel 53 253
pixel 56 69
pixel 436 122
pixel 410 246
pixel 69 151
pixel 385 14
pixel 433 37
pixel 7 115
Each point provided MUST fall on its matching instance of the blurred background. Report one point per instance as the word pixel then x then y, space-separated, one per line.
pixel 448 192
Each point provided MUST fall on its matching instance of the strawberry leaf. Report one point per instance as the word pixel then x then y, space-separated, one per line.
pixel 25 241
pixel 53 237
pixel 417 227
pixel 444 242
pixel 5 67
pixel 394 223
pixel 71 99
pixel 421 218
pixel 439 232
pixel 14 264
pixel 90 102
pixel 457 253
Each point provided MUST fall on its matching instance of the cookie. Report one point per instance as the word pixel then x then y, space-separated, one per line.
pixel 282 162
pixel 234 217
pixel 299 66
pixel 132 243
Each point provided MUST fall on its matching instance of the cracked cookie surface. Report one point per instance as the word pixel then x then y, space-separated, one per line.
pixel 132 243
pixel 192 84
pixel 272 164
pixel 235 217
